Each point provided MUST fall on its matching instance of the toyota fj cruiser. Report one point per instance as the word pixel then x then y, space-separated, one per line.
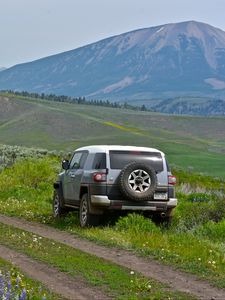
pixel 102 178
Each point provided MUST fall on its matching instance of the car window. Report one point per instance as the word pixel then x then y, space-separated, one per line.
pixel 75 161
pixel 78 160
pixel 99 161
pixel 119 159
pixel 83 159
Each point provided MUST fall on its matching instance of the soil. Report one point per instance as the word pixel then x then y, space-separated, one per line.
pixel 175 279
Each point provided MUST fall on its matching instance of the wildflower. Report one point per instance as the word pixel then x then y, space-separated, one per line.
pixel 199 258
pixel 131 272
pixel 23 295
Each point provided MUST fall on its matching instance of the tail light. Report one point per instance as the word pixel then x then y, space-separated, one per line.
pixel 100 177
pixel 172 180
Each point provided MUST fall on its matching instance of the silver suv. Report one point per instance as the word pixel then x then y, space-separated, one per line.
pixel 114 178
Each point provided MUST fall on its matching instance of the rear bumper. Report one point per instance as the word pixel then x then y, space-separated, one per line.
pixel 105 202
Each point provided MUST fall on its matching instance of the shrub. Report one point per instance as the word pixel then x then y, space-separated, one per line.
pixel 198 197
pixel 198 181
pixel 11 154
pixel 30 173
pixel 212 231
pixel 136 223
pixel 197 209
pixel 26 188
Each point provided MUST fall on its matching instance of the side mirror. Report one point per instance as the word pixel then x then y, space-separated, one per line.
pixel 65 164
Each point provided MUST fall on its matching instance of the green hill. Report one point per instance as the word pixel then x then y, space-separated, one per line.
pixel 194 143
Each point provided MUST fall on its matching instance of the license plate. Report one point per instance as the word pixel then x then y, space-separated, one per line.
pixel 160 196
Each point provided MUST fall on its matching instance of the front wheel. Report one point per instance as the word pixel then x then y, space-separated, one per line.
pixel 86 219
pixel 58 209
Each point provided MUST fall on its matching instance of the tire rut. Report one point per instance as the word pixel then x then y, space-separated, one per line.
pixel 177 280
pixel 56 281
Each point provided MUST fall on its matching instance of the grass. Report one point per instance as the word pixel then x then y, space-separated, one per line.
pixel 15 285
pixel 194 242
pixel 197 143
pixel 118 282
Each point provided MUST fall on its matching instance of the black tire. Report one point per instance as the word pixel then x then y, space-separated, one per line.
pixel 58 209
pixel 85 218
pixel 138 182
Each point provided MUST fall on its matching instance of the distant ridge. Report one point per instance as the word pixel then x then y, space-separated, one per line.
pixel 172 60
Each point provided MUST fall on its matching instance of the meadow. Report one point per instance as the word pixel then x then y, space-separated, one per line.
pixel 199 220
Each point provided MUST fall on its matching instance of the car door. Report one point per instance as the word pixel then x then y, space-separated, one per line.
pixel 73 177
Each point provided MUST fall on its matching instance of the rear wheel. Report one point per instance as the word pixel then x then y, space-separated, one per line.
pixel 86 219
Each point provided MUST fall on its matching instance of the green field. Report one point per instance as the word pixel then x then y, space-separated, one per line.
pixel 191 143
pixel 194 242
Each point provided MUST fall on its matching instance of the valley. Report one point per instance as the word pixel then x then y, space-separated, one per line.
pixel 191 143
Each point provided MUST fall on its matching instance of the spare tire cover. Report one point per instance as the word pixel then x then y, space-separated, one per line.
pixel 138 181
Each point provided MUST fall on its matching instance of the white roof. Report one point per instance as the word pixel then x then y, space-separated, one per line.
pixel 107 148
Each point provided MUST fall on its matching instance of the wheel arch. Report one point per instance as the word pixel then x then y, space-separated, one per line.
pixel 93 209
pixel 58 187
pixel 84 190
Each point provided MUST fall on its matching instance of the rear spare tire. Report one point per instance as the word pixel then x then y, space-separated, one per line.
pixel 138 182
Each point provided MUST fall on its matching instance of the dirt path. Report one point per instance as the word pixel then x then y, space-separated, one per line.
pixel 177 280
pixel 52 278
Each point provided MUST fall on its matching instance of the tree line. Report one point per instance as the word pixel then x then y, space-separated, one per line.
pixel 77 100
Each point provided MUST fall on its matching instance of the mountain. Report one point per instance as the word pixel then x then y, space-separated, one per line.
pixel 172 60
pixel 2 69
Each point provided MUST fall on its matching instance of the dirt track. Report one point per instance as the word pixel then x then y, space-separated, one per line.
pixel 177 280
pixel 55 280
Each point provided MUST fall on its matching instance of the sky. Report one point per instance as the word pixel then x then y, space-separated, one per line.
pixel 32 29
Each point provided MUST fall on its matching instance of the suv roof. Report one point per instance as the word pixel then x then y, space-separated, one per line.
pixel 107 148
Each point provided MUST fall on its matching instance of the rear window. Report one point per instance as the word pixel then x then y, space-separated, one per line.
pixel 119 159
pixel 99 161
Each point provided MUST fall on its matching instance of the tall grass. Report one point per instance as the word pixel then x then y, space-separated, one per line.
pixel 26 188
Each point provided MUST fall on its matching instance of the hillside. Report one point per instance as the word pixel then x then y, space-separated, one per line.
pixel 165 61
pixel 194 143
